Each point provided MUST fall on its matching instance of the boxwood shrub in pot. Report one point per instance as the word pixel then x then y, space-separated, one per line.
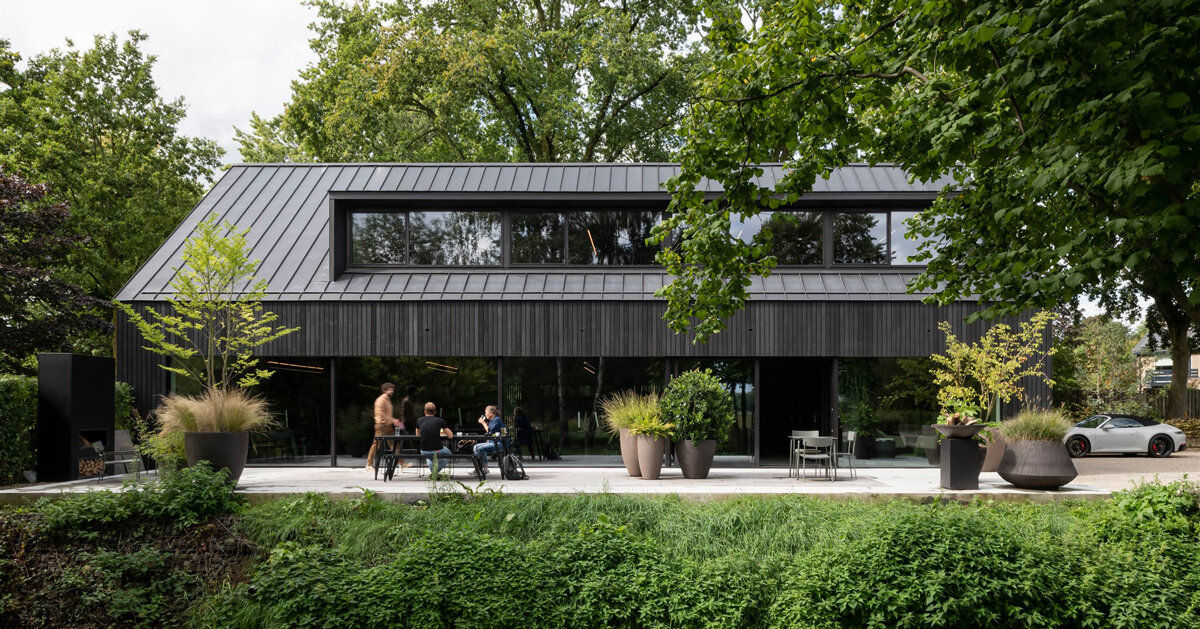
pixel 1035 457
pixel 701 409
pixel 620 411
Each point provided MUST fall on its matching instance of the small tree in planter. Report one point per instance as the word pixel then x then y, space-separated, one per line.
pixel 622 410
pixel 215 323
pixel 1035 457
pixel 702 411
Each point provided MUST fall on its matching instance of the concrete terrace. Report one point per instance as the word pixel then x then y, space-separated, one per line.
pixel 1098 477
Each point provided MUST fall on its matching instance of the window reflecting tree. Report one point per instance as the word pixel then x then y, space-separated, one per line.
pixel 796 237
pixel 860 238
pixel 538 238
pixel 454 238
pixel 377 238
pixel 611 238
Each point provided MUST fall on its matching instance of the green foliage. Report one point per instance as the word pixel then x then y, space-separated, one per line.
pixel 18 421
pixel 165 449
pixel 1069 130
pixel 123 405
pixel 652 426
pixel 406 80
pixel 180 499
pixel 214 410
pixel 1098 371
pixel 1189 426
pixel 216 312
pixel 1036 425
pixel 978 376
pixel 699 406
pixel 1173 507
pixel 93 123
pixel 625 408
pixel 136 589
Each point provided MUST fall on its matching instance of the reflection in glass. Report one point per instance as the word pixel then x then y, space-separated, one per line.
pixel 560 396
pixel 454 238
pixel 860 238
pixel 903 248
pixel 796 236
pixel 538 238
pixel 377 238
pixel 611 238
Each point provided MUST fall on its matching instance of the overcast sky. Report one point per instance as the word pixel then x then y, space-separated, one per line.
pixel 225 58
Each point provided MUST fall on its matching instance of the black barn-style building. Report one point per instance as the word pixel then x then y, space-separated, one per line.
pixel 531 285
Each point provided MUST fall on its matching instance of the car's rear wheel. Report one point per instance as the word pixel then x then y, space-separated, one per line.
pixel 1078 446
pixel 1160 445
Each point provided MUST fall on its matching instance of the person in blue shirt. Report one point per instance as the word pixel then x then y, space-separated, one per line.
pixel 493 423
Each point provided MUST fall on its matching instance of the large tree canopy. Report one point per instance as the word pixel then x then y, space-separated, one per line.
pixel 480 80
pixel 38 310
pixel 93 123
pixel 1071 127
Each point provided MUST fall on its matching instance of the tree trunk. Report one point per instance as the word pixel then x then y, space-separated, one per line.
pixel 1180 359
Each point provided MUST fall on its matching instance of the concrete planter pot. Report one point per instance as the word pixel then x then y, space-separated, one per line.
pixel 995 451
pixel 1037 465
pixel 864 446
pixel 629 455
pixel 650 455
pixel 224 450
pixel 695 457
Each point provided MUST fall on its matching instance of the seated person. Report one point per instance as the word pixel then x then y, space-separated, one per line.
pixel 493 423
pixel 524 429
pixel 431 429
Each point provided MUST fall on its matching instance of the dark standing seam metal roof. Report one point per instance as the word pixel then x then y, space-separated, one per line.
pixel 286 208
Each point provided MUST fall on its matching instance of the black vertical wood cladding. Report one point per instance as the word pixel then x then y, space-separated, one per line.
pixel 579 328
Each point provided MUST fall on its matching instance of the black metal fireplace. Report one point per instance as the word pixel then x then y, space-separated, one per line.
pixel 75 410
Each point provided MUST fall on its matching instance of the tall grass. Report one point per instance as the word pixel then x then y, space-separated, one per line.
pixel 1036 426
pixel 215 410
pixel 624 409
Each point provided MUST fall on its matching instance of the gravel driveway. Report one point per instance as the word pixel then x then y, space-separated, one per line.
pixel 1116 471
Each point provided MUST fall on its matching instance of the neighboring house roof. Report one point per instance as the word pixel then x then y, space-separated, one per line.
pixel 1163 347
pixel 286 208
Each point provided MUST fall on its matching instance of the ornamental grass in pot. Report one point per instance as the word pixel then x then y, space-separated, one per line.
pixel 216 426
pixel 1034 456
pixel 620 411
pixel 701 409
pixel 651 434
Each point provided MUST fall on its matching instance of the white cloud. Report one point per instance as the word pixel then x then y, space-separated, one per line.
pixel 225 58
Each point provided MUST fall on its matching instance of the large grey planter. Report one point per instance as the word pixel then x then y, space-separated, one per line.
pixel 650 455
pixel 629 454
pixel 224 450
pixel 1037 464
pixel 695 457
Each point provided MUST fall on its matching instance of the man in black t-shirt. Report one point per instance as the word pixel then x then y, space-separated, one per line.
pixel 430 429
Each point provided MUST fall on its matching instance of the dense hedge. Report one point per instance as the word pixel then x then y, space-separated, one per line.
pixel 1190 427
pixel 606 561
pixel 18 419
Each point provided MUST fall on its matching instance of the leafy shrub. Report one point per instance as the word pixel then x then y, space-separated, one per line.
pixel 123 406
pixel 1172 507
pixel 1036 425
pixel 18 421
pixel 184 498
pixel 699 405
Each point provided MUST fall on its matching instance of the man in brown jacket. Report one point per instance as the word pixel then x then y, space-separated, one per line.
pixel 385 421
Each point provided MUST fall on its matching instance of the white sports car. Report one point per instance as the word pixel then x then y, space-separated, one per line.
pixel 1126 434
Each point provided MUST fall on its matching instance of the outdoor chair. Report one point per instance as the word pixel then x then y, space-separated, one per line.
pixel 848 455
pixel 820 452
pixel 795 447
pixel 123 454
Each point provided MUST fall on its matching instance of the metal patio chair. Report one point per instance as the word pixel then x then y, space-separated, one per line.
pixel 819 451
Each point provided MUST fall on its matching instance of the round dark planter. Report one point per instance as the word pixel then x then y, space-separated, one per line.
pixel 958 431
pixel 650 455
pixel 695 457
pixel 224 450
pixel 864 446
pixel 1037 464
pixel 629 454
